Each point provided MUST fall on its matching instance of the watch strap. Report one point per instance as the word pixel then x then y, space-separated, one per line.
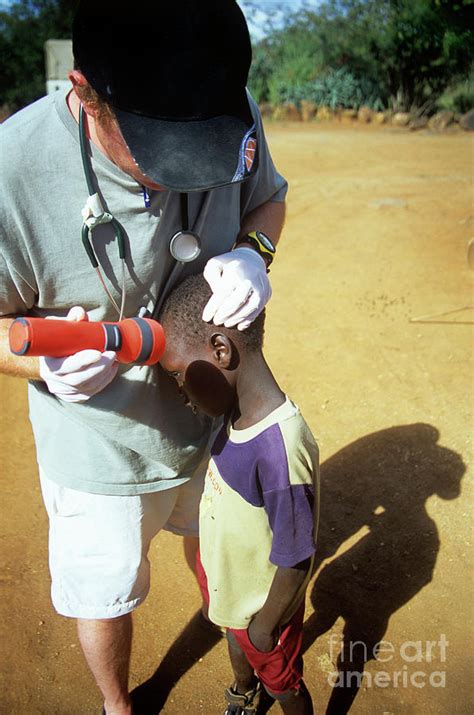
pixel 261 243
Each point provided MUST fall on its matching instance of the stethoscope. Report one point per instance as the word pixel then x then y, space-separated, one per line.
pixel 184 246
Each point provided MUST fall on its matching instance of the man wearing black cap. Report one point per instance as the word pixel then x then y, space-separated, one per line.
pixel 175 165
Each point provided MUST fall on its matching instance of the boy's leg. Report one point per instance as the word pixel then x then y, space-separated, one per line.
pixel 243 698
pixel 281 670
pixel 244 676
pixel 294 702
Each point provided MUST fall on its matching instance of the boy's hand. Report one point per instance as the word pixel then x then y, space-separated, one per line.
pixel 263 630
pixel 261 639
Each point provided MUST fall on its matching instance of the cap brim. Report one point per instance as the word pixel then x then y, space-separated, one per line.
pixel 190 155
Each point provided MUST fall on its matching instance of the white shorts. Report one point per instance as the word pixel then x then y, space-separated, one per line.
pixel 98 544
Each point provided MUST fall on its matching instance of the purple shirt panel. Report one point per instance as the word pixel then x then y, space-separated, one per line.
pixel 290 513
pixel 258 471
pixel 237 465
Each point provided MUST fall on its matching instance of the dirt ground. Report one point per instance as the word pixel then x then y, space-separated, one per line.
pixel 379 222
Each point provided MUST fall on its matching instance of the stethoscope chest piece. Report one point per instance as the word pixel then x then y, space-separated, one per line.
pixel 185 246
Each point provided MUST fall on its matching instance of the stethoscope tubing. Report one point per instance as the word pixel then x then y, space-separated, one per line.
pixel 185 233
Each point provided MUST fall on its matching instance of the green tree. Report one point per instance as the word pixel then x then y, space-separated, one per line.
pixel 403 53
pixel 408 51
pixel 24 28
pixel 421 47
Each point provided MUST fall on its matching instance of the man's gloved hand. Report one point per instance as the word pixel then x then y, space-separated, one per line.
pixel 78 377
pixel 240 288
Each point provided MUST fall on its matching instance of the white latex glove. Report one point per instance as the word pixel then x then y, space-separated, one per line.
pixel 240 288
pixel 78 377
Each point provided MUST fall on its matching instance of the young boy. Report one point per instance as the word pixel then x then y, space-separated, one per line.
pixel 259 510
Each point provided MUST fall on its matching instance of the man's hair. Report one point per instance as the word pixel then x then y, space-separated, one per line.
pixel 183 309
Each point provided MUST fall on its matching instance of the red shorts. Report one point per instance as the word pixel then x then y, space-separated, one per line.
pixel 279 670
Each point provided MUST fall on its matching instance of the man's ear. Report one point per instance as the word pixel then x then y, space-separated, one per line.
pixel 222 350
pixel 79 83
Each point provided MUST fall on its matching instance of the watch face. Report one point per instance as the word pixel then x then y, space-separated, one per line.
pixel 265 241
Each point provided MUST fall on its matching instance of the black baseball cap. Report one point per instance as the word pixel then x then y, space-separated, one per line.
pixel 175 73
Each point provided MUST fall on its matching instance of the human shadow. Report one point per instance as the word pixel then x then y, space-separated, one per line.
pixel 375 491
pixel 194 641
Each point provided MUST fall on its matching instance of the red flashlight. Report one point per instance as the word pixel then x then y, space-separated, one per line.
pixel 137 340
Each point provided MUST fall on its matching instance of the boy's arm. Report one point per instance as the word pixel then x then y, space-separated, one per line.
pixel 285 586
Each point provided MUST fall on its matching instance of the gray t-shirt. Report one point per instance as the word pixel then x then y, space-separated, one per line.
pixel 136 435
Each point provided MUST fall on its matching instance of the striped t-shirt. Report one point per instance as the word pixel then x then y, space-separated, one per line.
pixel 259 510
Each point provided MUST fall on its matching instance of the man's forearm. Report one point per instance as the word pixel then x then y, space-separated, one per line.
pixel 13 364
pixel 268 217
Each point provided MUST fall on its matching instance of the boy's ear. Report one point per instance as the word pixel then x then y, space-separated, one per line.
pixel 222 350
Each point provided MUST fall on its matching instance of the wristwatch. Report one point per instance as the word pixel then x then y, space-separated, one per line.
pixel 261 243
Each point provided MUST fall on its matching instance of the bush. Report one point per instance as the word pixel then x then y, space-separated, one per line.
pixel 459 97
pixel 335 88
pixel 401 54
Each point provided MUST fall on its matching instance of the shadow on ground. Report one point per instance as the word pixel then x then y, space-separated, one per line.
pixel 376 487
pixel 194 641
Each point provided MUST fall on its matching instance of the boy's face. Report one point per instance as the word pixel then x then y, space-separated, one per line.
pixel 202 382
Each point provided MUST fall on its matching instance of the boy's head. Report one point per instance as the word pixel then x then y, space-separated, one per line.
pixel 205 359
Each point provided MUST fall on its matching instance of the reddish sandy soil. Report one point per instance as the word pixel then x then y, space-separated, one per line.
pixel 379 222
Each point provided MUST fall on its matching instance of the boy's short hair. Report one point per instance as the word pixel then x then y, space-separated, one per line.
pixel 183 309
